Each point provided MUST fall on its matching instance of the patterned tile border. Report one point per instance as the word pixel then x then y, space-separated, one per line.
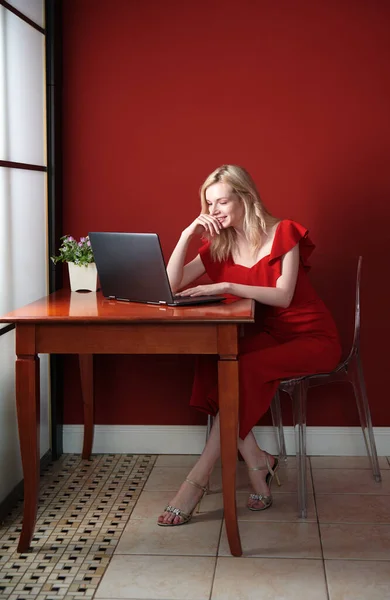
pixel 83 509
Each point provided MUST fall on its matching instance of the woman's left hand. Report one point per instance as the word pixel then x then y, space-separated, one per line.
pixel 204 290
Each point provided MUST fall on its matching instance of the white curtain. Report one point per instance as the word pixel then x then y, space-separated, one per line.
pixel 23 208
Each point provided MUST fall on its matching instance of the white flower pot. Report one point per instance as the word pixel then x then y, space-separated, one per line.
pixel 82 277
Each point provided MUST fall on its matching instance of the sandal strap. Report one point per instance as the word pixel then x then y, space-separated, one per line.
pixel 259 497
pixel 176 511
pixel 267 467
pixel 197 485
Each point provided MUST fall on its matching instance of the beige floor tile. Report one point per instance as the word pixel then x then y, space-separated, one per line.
pixel 276 540
pixel 151 504
pixel 353 508
pixel 291 462
pixel 283 509
pixel 362 541
pixel 212 502
pixel 176 460
pixel 288 480
pixel 166 479
pixel 198 538
pixel 358 580
pixel 146 577
pixel 346 462
pixel 170 479
pixel 350 481
pixel 269 579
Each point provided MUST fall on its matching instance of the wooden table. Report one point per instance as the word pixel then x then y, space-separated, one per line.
pixel 87 324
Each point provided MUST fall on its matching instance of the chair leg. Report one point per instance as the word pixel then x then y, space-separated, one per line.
pixel 276 414
pixel 357 379
pixel 208 428
pixel 299 394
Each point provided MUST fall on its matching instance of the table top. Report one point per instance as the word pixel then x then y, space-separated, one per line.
pixel 72 307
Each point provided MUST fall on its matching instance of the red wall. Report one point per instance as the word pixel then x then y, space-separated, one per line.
pixel 158 94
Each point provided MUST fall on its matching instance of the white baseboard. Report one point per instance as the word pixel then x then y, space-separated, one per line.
pixel 182 439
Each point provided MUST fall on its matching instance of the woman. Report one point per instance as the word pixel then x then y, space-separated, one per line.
pixel 250 254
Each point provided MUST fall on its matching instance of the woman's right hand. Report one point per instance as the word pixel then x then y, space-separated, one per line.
pixel 204 223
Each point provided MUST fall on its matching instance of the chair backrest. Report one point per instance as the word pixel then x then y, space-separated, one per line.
pixel 356 333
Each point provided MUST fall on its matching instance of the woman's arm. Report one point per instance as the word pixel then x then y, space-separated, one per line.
pixel 179 275
pixel 281 295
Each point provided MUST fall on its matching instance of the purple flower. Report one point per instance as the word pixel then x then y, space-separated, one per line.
pixel 82 239
pixel 80 244
pixel 70 239
pixel 88 243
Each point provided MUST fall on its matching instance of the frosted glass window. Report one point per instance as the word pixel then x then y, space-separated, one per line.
pixel 23 236
pixel 22 131
pixel 5 263
pixel 33 9
pixel 23 210
pixel 3 88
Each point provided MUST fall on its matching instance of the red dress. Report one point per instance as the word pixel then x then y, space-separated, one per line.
pixel 283 342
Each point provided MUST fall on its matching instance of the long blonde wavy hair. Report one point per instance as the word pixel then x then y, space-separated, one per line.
pixel 256 217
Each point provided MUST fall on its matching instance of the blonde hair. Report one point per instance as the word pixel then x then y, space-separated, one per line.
pixel 256 216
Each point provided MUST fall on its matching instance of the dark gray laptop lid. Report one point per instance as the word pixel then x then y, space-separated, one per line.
pixel 131 266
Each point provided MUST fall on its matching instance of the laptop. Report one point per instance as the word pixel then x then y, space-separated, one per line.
pixel 131 268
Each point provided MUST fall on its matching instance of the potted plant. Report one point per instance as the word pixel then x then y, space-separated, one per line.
pixel 81 265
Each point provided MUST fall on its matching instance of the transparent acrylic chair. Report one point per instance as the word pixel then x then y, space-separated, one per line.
pixel 349 370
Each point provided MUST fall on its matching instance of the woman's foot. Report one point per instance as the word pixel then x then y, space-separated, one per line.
pixel 259 474
pixel 186 499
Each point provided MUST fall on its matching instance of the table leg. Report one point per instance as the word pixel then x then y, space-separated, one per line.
pixel 86 374
pixel 228 413
pixel 28 411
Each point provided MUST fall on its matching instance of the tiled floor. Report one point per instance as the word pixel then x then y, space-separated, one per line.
pixel 87 546
pixel 83 509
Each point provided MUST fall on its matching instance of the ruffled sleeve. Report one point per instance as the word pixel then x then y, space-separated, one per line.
pixel 288 235
pixel 213 268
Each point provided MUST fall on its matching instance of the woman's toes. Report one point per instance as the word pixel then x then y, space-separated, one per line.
pixel 166 517
pixel 254 504
pixel 171 518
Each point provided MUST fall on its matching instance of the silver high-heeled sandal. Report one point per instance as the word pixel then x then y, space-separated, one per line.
pixel 272 472
pixel 179 513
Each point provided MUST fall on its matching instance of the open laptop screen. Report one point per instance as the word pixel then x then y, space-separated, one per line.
pixel 131 267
